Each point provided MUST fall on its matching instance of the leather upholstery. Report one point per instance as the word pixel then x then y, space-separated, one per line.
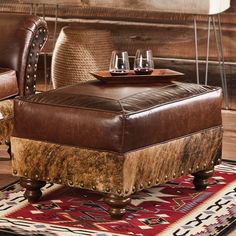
pixel 22 38
pixel 20 42
pixel 118 118
pixel 8 83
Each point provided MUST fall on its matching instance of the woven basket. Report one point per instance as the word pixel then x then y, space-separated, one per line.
pixel 79 51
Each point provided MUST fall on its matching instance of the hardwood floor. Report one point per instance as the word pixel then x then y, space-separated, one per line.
pixel 5 168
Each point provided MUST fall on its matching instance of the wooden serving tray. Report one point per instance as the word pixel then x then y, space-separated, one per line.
pixel 158 75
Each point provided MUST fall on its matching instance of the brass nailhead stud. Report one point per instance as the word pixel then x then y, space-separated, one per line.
pixel 197 167
pixel 28 76
pixel 82 184
pixel 134 188
pixel 48 179
pixel 36 36
pixel 34 86
pixel 205 165
pixel 141 185
pixel 126 191
pixel 40 30
pixel 119 191
pixel 25 174
pixel 44 31
pixel 149 183
pixel 35 75
pixel 107 190
pixel 182 172
pixel 190 169
pixel 37 54
pixel 31 54
pixel 59 181
pixel 40 45
pixel 93 187
pixel 29 65
pixel 212 162
pixel 27 88
pixel 70 183
pixel 14 172
pixel 36 176
pixel 33 45
pixel 174 175
pixel 157 181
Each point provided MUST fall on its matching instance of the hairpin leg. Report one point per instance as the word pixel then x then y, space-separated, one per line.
pixel 207 49
pixel 196 49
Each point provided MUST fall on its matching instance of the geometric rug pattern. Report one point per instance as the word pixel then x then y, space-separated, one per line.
pixel 175 208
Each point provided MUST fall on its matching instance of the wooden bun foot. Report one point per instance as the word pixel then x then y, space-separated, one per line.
pixel 200 180
pixel 117 205
pixel 33 189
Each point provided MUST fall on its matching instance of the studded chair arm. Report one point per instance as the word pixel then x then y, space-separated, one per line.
pixel 22 37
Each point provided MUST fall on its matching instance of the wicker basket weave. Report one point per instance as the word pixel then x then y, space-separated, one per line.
pixel 79 51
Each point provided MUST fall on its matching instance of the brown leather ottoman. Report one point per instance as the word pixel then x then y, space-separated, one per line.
pixel 117 139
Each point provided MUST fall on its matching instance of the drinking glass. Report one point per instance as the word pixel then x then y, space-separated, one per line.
pixel 143 62
pixel 119 64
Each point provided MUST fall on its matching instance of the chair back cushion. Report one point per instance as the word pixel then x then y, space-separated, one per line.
pixel 18 33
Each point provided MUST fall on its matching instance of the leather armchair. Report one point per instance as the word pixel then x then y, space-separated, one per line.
pixel 21 39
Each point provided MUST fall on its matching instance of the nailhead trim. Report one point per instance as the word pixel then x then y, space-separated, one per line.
pixel 37 44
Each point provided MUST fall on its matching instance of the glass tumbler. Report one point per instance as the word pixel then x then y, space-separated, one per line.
pixel 119 64
pixel 143 62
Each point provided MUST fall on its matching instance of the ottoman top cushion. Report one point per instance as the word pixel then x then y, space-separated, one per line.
pixel 116 117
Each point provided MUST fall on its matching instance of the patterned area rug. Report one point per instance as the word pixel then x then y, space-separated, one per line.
pixel 171 209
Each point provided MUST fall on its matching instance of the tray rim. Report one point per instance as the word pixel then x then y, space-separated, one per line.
pixel 136 78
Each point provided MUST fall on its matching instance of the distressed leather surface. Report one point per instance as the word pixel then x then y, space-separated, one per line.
pixel 8 83
pixel 16 43
pixel 21 39
pixel 120 174
pixel 120 117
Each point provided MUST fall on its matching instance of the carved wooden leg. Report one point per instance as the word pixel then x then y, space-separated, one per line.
pixel 32 192
pixel 117 205
pixel 8 143
pixel 200 180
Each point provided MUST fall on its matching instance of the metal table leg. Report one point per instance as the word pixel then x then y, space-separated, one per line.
pixel 220 53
